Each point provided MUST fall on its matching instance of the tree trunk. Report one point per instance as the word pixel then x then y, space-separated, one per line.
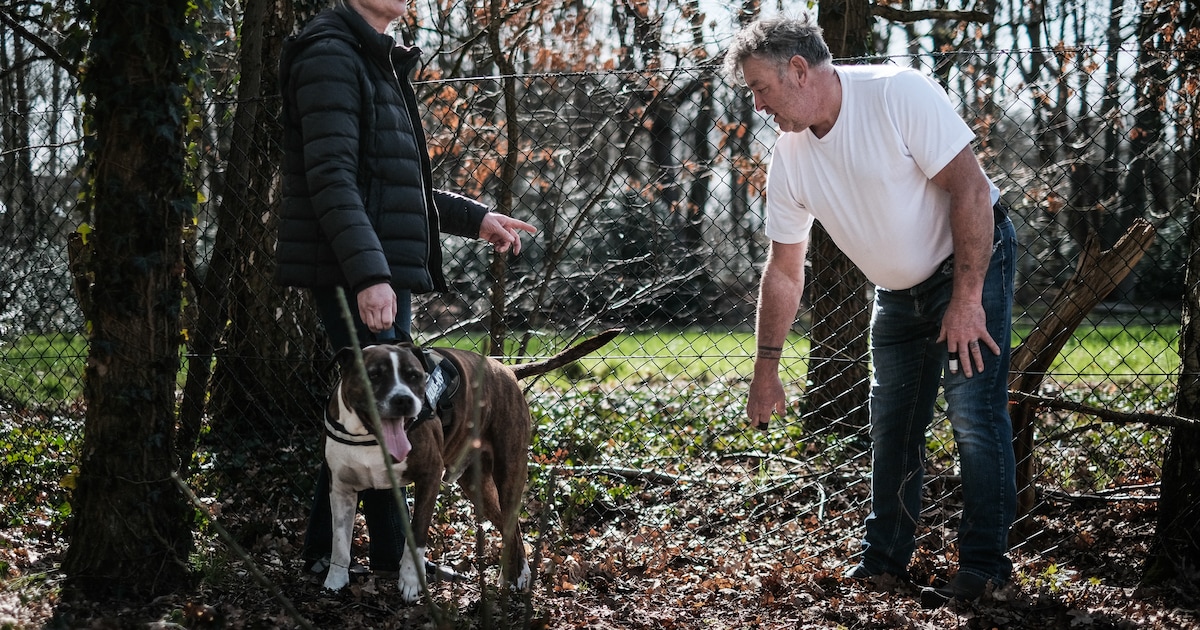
pixel 267 374
pixel 1096 275
pixel 498 268
pixel 838 290
pixel 1176 551
pixel 19 220
pixel 130 534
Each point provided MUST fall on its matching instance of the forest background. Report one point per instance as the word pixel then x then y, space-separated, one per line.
pixel 142 336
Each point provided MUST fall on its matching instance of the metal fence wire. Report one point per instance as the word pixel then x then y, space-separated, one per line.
pixel 647 189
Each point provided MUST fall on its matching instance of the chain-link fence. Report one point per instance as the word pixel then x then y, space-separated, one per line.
pixel 647 190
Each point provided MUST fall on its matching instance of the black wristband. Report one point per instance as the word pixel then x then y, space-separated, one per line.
pixel 769 352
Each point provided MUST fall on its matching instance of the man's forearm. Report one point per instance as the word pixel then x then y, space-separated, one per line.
pixel 778 301
pixel 972 233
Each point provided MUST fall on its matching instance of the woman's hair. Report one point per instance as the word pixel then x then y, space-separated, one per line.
pixel 777 39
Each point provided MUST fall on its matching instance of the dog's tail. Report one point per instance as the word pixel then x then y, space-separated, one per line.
pixel 577 351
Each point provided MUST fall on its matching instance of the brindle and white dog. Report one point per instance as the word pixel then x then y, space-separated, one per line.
pixel 430 443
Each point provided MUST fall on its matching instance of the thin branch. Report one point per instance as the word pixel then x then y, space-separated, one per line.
pixel 39 43
pixel 1117 417
pixel 908 16
pixel 250 564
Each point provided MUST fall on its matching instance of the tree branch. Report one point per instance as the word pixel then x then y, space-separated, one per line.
pixel 39 43
pixel 1117 417
pixel 908 16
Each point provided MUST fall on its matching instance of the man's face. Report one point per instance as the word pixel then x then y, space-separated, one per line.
pixel 778 92
pixel 378 12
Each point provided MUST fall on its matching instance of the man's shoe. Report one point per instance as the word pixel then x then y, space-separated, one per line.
pixel 886 581
pixel 317 566
pixel 964 587
pixel 433 573
pixel 320 566
pixel 857 572
pixel 441 573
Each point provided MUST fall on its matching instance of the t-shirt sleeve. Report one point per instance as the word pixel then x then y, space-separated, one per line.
pixel 787 220
pixel 931 128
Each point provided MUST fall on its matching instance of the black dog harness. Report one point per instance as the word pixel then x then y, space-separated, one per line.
pixel 441 384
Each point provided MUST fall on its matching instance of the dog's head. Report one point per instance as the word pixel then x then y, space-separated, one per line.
pixel 396 375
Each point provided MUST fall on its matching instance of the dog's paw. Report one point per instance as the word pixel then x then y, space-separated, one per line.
pixel 522 581
pixel 337 578
pixel 409 593
pixel 410 582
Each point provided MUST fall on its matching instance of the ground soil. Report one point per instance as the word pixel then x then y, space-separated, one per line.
pixel 615 570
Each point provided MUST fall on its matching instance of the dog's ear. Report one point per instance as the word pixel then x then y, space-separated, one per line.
pixel 419 352
pixel 342 358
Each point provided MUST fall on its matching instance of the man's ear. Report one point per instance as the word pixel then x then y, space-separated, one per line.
pixel 798 67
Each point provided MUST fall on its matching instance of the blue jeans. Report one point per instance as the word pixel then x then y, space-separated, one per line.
pixel 908 368
pixel 330 311
pixel 384 522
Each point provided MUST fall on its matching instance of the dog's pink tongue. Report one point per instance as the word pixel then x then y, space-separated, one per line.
pixel 396 439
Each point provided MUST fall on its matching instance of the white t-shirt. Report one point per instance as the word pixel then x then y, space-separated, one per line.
pixel 868 180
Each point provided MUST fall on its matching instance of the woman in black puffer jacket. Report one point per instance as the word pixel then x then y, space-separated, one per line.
pixel 359 208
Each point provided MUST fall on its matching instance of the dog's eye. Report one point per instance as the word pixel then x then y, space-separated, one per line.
pixel 413 376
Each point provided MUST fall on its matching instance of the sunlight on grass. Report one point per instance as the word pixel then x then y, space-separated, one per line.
pixel 1113 352
pixel 47 369
pixel 43 369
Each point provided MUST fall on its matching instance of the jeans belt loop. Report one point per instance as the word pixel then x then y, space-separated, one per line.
pixel 999 212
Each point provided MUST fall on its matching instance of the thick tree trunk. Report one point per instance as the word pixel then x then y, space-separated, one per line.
pixel 838 290
pixel 1176 551
pixel 130 531
pixel 268 372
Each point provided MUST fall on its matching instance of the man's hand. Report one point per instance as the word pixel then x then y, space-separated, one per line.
pixel 778 300
pixel 766 398
pixel 502 232
pixel 377 306
pixel 964 326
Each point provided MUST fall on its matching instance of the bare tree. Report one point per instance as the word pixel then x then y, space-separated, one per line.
pixel 251 325
pixel 1176 551
pixel 130 530
pixel 1175 556
pixel 841 306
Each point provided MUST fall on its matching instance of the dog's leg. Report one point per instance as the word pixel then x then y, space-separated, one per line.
pixel 510 472
pixel 501 503
pixel 510 487
pixel 410 581
pixel 425 493
pixel 342 503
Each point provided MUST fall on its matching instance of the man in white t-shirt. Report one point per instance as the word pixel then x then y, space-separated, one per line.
pixel 878 155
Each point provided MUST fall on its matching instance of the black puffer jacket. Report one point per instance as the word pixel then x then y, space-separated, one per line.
pixel 359 206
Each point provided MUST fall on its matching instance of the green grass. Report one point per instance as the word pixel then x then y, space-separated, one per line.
pixel 1118 351
pixel 42 370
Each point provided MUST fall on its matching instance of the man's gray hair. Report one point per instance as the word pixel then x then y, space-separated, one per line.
pixel 777 39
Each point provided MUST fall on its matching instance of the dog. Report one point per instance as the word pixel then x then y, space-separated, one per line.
pixel 433 405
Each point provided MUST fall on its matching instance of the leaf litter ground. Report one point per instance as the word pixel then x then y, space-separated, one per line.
pixel 672 558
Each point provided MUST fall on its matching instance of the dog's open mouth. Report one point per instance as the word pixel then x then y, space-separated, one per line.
pixel 395 438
